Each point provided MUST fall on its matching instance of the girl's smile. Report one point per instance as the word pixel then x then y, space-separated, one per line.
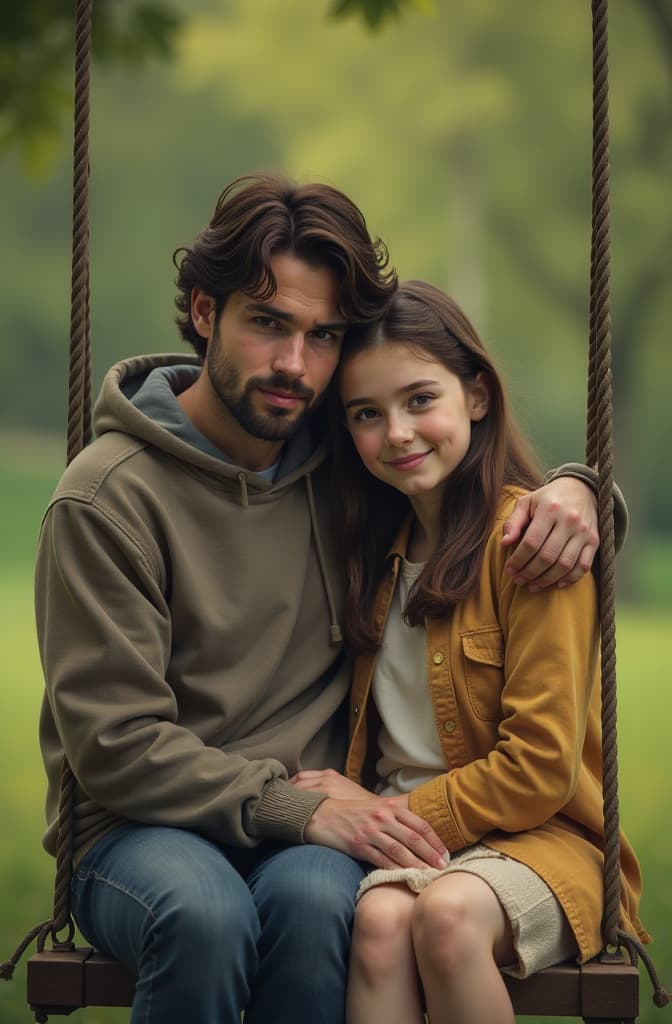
pixel 406 462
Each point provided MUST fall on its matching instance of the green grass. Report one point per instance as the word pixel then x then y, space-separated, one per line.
pixel 645 705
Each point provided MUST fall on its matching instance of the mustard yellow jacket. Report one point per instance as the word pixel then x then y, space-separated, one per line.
pixel 513 684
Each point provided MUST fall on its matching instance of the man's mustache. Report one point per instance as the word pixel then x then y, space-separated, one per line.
pixel 280 383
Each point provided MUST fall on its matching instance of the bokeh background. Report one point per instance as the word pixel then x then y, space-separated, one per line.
pixel 463 131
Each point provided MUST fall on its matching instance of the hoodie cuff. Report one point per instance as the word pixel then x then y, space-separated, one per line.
pixel 589 476
pixel 284 811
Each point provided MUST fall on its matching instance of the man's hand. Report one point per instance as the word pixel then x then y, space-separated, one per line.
pixel 380 830
pixel 330 782
pixel 555 529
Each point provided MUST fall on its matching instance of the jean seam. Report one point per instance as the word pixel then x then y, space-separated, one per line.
pixel 119 888
pixel 151 973
pixel 150 994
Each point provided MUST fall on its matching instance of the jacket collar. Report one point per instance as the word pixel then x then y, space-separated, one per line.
pixel 399 546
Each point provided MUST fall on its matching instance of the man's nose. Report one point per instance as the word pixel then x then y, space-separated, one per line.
pixel 289 357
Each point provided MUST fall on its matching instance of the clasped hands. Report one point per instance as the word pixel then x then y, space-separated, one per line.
pixel 377 829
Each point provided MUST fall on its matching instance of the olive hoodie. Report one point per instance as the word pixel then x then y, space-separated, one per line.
pixel 187 614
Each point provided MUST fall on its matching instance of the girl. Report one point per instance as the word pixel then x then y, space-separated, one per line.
pixel 472 700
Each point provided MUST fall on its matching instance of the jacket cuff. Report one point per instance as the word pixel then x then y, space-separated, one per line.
pixel 589 476
pixel 283 812
pixel 429 802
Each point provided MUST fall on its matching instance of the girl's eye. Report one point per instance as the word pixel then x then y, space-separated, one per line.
pixel 419 401
pixel 365 415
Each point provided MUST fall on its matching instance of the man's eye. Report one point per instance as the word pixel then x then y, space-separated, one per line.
pixel 266 321
pixel 325 337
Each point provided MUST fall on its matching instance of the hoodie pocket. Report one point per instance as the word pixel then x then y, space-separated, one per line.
pixel 483 656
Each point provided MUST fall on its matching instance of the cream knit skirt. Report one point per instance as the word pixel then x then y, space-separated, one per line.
pixel 541 933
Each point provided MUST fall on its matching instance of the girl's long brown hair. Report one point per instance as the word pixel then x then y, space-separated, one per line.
pixel 369 513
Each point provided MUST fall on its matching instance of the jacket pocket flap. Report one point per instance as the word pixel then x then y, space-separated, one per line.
pixel 485 646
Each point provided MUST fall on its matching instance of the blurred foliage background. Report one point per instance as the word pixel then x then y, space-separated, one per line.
pixel 463 131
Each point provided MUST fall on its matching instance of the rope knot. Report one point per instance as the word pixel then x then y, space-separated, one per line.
pixel 7 970
pixel 636 950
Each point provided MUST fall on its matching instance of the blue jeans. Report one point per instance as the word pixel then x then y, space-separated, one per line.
pixel 210 932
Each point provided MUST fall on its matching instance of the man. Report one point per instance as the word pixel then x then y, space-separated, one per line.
pixel 188 597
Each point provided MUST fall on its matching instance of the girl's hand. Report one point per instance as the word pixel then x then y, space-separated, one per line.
pixel 380 830
pixel 330 782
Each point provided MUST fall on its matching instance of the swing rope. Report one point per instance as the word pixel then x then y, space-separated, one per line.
pixel 599 452
pixel 79 407
pixel 78 436
pixel 79 389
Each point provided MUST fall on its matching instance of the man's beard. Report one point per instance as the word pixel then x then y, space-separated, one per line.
pixel 275 425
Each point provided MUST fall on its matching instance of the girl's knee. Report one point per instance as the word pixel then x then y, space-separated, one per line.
pixel 382 932
pixel 448 929
pixel 384 912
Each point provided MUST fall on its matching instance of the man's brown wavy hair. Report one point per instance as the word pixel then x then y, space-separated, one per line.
pixel 368 512
pixel 260 215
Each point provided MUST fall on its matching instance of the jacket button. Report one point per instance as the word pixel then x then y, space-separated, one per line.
pixel 438 658
pixel 449 726
pixel 355 710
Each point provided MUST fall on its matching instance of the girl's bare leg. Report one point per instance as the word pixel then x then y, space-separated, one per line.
pixel 383 983
pixel 460 934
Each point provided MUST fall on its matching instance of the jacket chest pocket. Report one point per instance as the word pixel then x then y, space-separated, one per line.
pixel 483 663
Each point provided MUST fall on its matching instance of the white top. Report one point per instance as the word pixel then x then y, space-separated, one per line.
pixel 408 740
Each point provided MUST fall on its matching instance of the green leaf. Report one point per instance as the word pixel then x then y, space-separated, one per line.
pixel 373 12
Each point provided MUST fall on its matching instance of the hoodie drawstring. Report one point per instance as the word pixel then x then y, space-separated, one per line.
pixel 335 635
pixel 243 490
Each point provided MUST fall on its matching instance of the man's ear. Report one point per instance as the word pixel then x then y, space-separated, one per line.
pixel 202 312
pixel 479 398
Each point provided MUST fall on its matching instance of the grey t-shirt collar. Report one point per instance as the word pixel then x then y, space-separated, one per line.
pixel 156 398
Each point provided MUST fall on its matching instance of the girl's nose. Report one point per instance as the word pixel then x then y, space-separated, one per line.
pixel 399 431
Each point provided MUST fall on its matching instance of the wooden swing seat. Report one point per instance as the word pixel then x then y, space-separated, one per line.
pixel 60 982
